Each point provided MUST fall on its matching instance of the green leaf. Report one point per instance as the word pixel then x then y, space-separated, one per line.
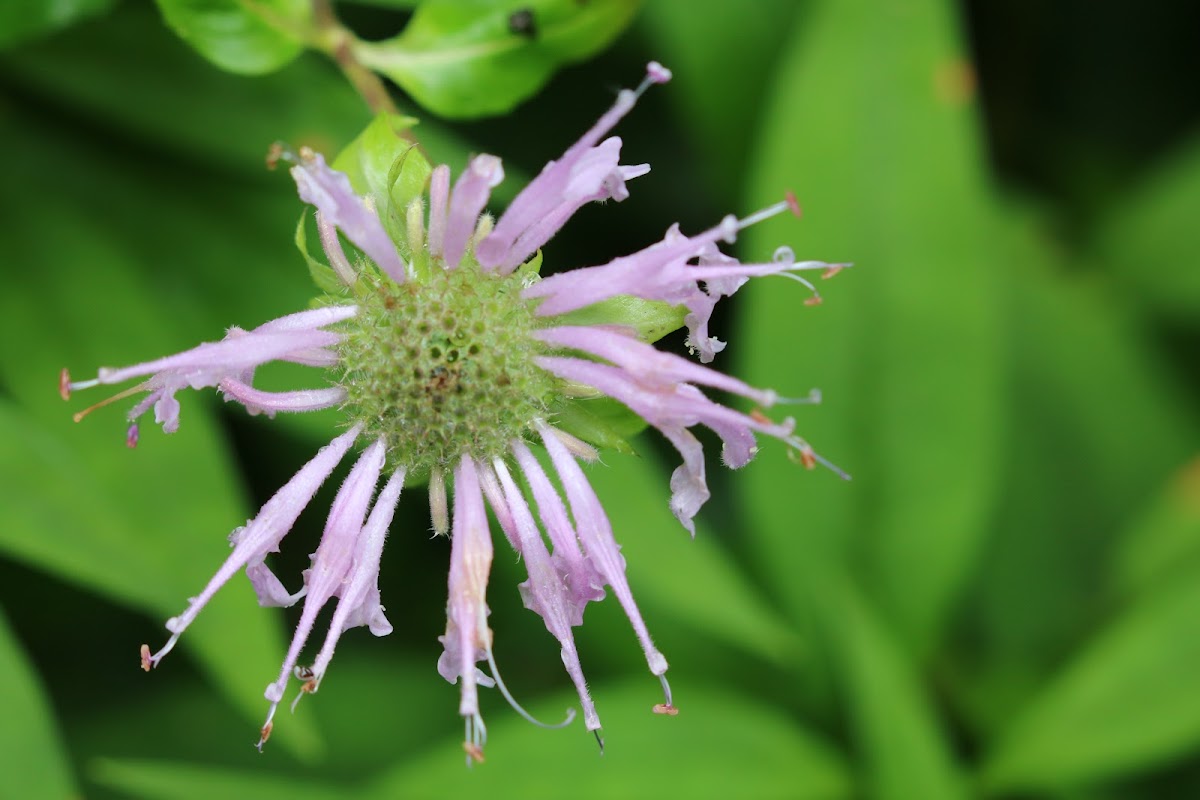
pixel 462 58
pixel 1102 427
pixel 100 75
pixel 28 737
pixel 178 780
pixel 1150 236
pixel 695 580
pixel 1165 538
pixel 21 20
pixel 250 38
pixel 686 39
pixel 906 347
pixel 1127 702
pixel 907 754
pixel 720 745
pixel 145 528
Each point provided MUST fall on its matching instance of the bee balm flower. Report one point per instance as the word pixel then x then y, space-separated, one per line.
pixel 450 361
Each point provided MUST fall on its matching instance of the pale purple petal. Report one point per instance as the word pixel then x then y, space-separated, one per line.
pixel 661 404
pixel 296 337
pixel 585 583
pixel 595 176
pixel 315 357
pixel 359 602
pixel 543 229
pixel 330 192
pixel 700 308
pixel 701 304
pixel 662 272
pixel 262 535
pixel 334 560
pixel 309 320
pixel 587 171
pixel 595 533
pixel 471 193
pixel 205 364
pixel 689 487
pixel 166 410
pixel 545 593
pixel 671 409
pixel 649 365
pixel 269 589
pixel 467 637
pixel 300 400
pixel 659 272
pixel 495 498
pixel 684 404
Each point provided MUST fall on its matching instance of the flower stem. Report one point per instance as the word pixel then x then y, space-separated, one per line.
pixel 337 42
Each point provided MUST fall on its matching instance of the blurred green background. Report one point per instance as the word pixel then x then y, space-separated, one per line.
pixel 1005 602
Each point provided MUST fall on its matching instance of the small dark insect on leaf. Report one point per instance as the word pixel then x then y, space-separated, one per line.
pixel 521 23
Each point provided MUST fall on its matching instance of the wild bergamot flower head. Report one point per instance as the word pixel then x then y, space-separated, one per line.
pixel 451 360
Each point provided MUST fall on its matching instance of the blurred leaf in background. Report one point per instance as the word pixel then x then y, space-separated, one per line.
pixel 1002 603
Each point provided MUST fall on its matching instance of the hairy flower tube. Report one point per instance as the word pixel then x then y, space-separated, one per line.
pixel 452 362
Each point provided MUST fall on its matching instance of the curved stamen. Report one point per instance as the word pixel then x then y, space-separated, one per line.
pixel 816 296
pixel 491 659
pixel 78 416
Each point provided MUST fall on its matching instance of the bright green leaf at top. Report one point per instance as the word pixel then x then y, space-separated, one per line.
pixel 1128 702
pixel 24 19
pixel 248 38
pixel 871 123
pixel 28 739
pixel 473 58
